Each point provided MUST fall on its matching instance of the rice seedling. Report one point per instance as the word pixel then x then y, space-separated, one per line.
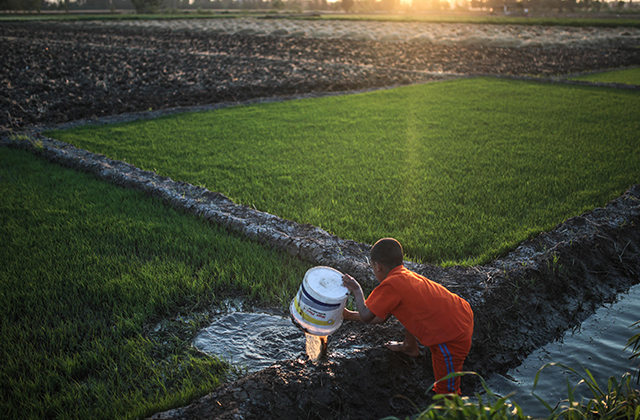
pixel 460 171
pixel 93 282
pixel 625 76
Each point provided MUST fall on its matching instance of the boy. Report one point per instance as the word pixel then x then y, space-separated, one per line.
pixel 439 319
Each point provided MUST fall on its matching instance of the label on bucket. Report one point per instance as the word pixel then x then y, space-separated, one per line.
pixel 319 311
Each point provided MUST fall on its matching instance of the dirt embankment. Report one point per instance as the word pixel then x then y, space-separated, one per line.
pixel 53 74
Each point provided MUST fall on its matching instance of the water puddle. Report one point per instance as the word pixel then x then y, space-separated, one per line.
pixel 598 345
pixel 255 341
pixel 251 340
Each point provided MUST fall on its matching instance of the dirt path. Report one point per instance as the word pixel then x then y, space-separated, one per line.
pixel 57 73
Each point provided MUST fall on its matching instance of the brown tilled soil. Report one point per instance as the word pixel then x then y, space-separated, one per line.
pixel 53 73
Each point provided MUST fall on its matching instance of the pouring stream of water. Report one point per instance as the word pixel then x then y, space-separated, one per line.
pixel 316 346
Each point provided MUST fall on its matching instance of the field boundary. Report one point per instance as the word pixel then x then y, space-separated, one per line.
pixel 564 80
pixel 150 115
pixel 441 77
pixel 522 300
pixel 587 73
pixel 306 241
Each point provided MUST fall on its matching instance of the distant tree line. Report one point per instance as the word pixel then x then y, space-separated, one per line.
pixel 22 5
pixel 38 5
pixel 149 6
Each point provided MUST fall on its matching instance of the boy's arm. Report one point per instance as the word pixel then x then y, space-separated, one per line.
pixel 364 314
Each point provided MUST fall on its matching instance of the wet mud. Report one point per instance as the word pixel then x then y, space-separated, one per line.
pixel 521 301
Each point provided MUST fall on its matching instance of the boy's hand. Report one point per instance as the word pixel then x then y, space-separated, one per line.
pixel 364 314
pixel 351 315
pixel 350 283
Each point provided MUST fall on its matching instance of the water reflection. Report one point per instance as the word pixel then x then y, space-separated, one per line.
pixel 598 345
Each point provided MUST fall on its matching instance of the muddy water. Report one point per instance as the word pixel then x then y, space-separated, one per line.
pixel 316 346
pixel 251 340
pixel 598 345
pixel 256 341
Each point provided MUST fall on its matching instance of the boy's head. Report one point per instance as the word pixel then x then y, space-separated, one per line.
pixel 387 252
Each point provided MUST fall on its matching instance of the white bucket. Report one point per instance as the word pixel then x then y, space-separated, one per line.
pixel 317 307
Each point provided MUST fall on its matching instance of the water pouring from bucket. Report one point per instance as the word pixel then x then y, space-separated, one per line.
pixel 317 307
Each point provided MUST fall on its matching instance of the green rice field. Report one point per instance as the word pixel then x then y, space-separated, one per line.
pixel 88 272
pixel 626 76
pixel 459 171
pixel 102 288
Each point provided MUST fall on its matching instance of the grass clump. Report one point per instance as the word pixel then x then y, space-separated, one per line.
pixel 626 77
pixel 86 270
pixel 619 400
pixel 485 405
pixel 458 171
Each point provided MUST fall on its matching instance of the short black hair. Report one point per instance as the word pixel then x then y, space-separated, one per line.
pixel 388 252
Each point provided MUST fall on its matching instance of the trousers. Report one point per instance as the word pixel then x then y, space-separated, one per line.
pixel 447 358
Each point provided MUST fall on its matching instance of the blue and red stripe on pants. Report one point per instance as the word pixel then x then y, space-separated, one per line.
pixel 447 358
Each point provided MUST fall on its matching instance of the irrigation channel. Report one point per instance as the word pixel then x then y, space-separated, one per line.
pixel 254 341
pixel 597 345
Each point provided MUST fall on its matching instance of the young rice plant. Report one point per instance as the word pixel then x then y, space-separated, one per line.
pixel 87 272
pixel 458 171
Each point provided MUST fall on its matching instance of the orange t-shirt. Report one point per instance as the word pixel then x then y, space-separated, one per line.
pixel 425 308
